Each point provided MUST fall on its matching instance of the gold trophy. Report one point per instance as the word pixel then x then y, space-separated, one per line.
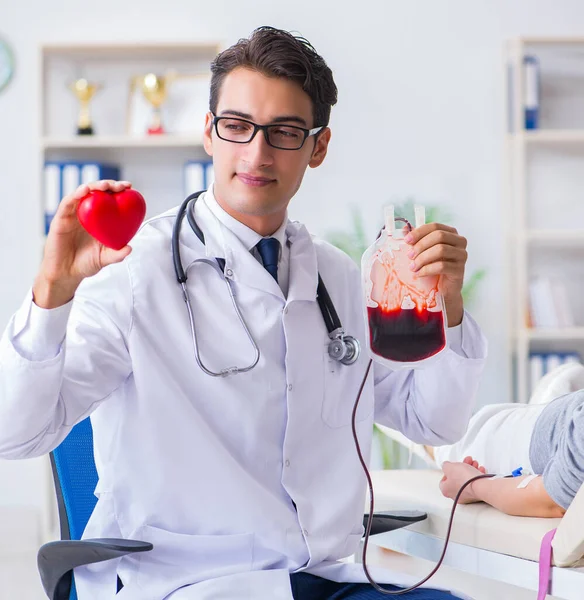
pixel 155 90
pixel 84 90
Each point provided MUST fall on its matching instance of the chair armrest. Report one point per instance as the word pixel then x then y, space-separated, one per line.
pixel 56 560
pixel 393 519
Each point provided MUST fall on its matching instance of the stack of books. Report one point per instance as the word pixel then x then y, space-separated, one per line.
pixel 549 305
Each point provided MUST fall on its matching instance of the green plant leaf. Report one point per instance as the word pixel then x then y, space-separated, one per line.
pixel 469 289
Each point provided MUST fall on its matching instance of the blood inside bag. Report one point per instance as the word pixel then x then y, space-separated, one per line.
pixel 405 335
pixel 406 324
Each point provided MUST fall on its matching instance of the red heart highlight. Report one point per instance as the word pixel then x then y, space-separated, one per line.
pixel 112 218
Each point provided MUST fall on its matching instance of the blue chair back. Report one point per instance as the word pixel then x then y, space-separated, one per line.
pixel 75 479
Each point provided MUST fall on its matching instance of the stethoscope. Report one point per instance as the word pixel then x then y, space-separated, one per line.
pixel 342 347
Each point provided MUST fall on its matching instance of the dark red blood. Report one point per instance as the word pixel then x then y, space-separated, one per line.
pixel 405 335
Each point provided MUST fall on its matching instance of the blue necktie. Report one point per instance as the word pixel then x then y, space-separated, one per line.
pixel 269 249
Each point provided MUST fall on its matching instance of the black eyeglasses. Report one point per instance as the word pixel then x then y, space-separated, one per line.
pixel 242 131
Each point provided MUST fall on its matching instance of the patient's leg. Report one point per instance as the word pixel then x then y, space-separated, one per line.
pixel 498 437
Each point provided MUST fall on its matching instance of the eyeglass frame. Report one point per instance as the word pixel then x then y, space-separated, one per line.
pixel 264 128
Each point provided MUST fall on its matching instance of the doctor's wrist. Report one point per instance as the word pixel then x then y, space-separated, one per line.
pixel 50 294
pixel 454 311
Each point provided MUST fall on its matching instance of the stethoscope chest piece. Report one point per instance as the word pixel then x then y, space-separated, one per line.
pixel 344 348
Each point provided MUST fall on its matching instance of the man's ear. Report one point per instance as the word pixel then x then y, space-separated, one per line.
pixel 207 138
pixel 320 148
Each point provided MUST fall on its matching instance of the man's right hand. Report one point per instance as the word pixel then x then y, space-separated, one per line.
pixel 71 254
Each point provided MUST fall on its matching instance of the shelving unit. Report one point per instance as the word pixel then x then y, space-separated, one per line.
pixel 120 115
pixel 153 163
pixel 545 173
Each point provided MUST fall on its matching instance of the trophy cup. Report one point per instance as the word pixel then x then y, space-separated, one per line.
pixel 155 90
pixel 84 90
pixel 152 91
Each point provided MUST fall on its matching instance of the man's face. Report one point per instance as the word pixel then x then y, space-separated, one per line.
pixel 254 179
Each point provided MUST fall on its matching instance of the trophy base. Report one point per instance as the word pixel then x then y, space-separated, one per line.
pixel 156 130
pixel 85 130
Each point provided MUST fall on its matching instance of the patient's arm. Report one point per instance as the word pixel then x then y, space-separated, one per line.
pixel 503 494
pixel 530 501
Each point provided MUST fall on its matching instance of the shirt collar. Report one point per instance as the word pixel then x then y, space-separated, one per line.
pixel 248 237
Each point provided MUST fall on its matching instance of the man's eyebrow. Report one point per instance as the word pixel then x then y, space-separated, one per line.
pixel 281 119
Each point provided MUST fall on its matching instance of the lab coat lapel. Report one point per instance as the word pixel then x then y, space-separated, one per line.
pixel 220 242
pixel 246 270
pixel 303 264
pixel 191 248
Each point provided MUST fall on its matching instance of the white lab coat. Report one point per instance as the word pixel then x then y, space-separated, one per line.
pixel 236 481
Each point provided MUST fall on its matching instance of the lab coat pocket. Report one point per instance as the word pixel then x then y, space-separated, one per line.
pixel 341 386
pixel 185 559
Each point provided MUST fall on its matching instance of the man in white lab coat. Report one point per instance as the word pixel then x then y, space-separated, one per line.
pixel 249 486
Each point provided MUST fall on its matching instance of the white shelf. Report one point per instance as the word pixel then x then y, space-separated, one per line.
pixel 122 141
pixel 556 237
pixel 550 136
pixel 567 333
pixel 534 158
pixel 551 41
pixel 93 51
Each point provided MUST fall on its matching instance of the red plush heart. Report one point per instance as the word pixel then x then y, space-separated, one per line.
pixel 112 218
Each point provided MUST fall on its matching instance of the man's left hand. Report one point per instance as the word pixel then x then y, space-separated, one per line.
pixel 438 250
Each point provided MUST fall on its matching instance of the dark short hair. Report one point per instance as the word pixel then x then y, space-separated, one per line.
pixel 277 53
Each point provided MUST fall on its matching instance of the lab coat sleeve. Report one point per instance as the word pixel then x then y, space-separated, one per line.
pixel 454 339
pixel 433 405
pixel 57 366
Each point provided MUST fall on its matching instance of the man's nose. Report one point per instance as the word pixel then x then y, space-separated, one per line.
pixel 258 151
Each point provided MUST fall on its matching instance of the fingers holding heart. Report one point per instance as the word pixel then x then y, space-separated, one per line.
pixel 112 218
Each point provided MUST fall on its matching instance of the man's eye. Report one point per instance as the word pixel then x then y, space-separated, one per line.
pixel 286 133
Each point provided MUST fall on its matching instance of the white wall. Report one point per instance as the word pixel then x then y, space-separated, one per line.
pixel 420 112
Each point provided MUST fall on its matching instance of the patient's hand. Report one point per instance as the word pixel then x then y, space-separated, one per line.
pixel 469 461
pixel 456 474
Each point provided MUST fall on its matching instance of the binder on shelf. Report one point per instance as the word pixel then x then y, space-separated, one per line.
pixel 71 178
pixel 209 175
pixel 95 171
pixel 63 178
pixel 197 176
pixel 541 363
pixel 553 361
pixel 52 191
pixel 531 91
pixel 536 370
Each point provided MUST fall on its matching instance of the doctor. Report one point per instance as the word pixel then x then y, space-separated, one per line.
pixel 249 486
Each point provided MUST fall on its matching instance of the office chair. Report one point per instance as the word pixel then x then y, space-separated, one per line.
pixel 75 480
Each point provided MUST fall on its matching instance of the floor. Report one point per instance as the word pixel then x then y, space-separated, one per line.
pixel 20 578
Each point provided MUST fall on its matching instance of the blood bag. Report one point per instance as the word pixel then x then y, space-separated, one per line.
pixel 404 313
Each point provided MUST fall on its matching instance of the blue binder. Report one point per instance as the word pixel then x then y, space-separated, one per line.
pixel 532 91
pixel 197 176
pixel 64 177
